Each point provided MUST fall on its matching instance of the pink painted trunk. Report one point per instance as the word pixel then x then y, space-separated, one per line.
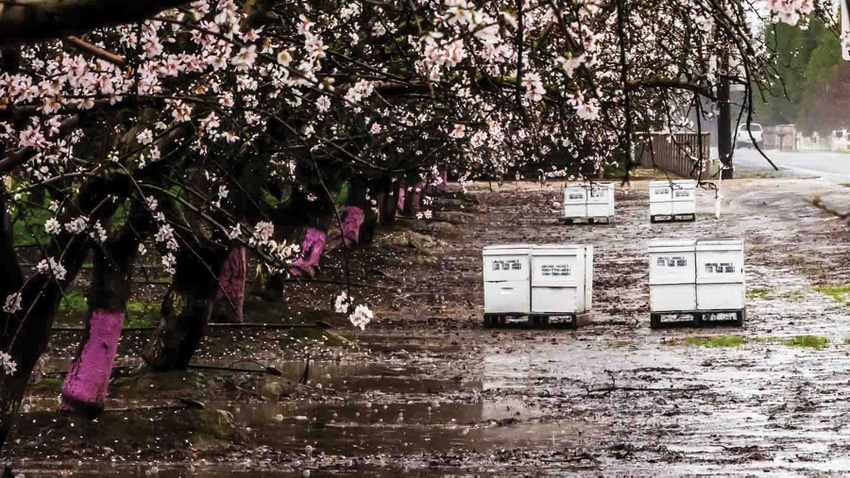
pixel 444 185
pixel 439 188
pixel 231 282
pixel 352 219
pixel 417 194
pixel 88 376
pixel 311 251
pixel 400 204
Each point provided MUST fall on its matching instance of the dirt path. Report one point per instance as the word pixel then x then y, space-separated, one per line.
pixel 428 392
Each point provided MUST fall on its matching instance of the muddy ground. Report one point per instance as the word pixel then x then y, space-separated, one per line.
pixel 427 391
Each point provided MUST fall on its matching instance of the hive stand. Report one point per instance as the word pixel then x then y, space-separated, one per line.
pixel 584 220
pixel 537 320
pixel 699 319
pixel 673 218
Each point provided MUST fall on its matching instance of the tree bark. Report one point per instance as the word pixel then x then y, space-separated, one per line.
pixel 387 201
pixel 358 197
pixel 85 387
pixel 402 194
pixel 413 199
pixel 352 220
pixel 186 309
pixel 311 251
pixel 230 296
pixel 724 119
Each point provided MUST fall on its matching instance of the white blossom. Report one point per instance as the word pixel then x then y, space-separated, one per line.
pixel 52 226
pixel 361 317
pixel 342 303
pixel 9 365
pixel 13 303
pixel 50 265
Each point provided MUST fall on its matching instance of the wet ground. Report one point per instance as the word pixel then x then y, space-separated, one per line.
pixel 426 391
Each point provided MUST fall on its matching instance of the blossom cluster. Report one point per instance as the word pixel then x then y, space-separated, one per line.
pixel 359 316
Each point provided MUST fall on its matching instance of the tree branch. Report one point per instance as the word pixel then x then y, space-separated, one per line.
pixel 96 51
pixel 29 21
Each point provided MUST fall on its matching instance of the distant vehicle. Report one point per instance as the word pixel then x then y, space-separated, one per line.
pixel 743 137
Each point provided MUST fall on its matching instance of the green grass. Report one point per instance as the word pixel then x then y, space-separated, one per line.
pixel 718 341
pixel 846 185
pixel 74 302
pixel 758 292
pixel 807 341
pixel 840 293
pixel 29 215
pixel 140 314
pixel 133 321
pixel 28 224
pixel 847 341
pixel 804 341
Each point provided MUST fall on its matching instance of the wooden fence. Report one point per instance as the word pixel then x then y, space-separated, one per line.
pixel 676 153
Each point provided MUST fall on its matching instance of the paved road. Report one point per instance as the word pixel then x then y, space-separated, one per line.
pixel 834 167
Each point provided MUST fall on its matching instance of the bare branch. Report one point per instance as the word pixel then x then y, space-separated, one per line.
pixel 97 51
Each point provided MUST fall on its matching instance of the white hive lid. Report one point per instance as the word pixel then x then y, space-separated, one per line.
pixel 506 249
pixel 720 244
pixel 552 247
pixel 496 247
pixel 659 184
pixel 557 249
pixel 672 245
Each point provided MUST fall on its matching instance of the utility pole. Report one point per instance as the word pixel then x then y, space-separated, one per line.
pixel 724 119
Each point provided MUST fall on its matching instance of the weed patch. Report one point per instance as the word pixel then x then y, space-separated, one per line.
pixel 718 341
pixel 807 341
pixel 74 302
pixel 840 293
pixel 758 292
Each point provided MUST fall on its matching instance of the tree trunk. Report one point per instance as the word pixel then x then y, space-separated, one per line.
pixel 231 286
pixel 442 186
pixel 399 208
pixel 724 120
pixel 85 386
pixel 186 309
pixel 387 202
pixel 358 197
pixel 311 251
pixel 26 333
pixel 444 183
pixel 413 199
pixel 352 220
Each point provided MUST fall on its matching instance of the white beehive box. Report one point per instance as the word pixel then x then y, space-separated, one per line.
pixel 684 197
pixel 720 283
pixel 589 201
pixel 575 202
pixel 561 279
pixel 672 199
pixel 600 200
pixel 672 276
pixel 507 289
pixel 660 199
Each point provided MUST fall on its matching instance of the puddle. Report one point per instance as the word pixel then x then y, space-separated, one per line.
pixel 430 427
